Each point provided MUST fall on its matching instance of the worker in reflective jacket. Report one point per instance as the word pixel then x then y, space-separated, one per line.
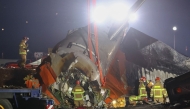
pixel 133 99
pixel 158 92
pixel 23 51
pixel 142 94
pixel 78 92
pixel 142 88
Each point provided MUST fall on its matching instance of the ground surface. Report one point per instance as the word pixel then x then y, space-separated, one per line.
pixel 152 107
pixel 146 107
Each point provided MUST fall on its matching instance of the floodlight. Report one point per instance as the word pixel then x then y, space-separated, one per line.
pixel 133 17
pixel 99 14
pixel 118 11
pixel 174 28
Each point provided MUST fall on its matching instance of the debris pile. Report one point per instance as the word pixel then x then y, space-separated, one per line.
pixel 14 77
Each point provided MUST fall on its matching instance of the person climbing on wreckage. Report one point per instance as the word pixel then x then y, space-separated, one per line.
pixel 23 49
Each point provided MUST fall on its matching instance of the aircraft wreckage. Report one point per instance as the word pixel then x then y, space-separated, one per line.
pixel 123 58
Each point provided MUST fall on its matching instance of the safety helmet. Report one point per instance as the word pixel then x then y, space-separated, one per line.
pixel 144 78
pixel 141 79
pixel 25 38
pixel 157 79
pixel 77 82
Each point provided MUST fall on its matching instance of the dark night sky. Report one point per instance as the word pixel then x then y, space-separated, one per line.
pixel 49 21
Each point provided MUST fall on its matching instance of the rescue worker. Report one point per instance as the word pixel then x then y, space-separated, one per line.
pixel 78 92
pixel 23 51
pixel 134 99
pixel 158 92
pixel 142 88
pixel 141 92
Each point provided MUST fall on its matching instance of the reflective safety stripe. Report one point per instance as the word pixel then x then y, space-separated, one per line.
pixel 160 93
pixel 141 91
pixel 158 96
pixel 22 52
pixel 156 86
pixel 78 89
pixel 78 92
pixel 158 89
pixel 132 98
pixel 78 98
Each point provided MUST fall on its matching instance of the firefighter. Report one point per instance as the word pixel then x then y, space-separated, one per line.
pixel 142 88
pixel 78 92
pixel 23 51
pixel 141 92
pixel 134 99
pixel 158 92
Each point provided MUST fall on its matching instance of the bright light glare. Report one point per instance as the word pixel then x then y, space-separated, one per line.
pixel 99 14
pixel 118 11
pixel 114 101
pixel 133 17
pixel 174 28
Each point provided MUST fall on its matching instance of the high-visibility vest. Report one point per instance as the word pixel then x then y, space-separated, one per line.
pixel 142 89
pixel 134 98
pixel 158 91
pixel 78 92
